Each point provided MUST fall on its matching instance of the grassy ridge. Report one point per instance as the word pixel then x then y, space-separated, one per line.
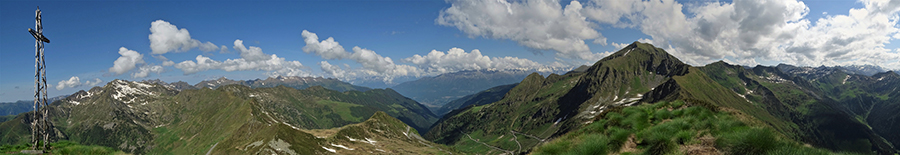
pixel 673 128
pixel 796 108
pixel 211 111
pixel 62 147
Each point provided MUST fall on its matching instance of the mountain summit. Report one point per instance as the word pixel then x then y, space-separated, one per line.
pixel 544 108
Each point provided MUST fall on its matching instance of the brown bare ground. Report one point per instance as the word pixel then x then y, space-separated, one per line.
pixel 705 147
pixel 629 146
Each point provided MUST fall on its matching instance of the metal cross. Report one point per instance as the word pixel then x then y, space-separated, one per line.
pixel 40 126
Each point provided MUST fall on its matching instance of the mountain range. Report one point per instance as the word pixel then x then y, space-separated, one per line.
pixel 639 99
pixel 152 118
pixel 435 92
pixel 835 111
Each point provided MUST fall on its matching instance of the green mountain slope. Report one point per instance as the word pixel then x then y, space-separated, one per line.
pixel 539 109
pixel 380 134
pixel 674 128
pixel 870 100
pixel 543 107
pixel 435 92
pixel 143 118
pixel 808 115
pixel 490 95
pixel 18 107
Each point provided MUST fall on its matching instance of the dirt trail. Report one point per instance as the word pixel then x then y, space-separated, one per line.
pixel 485 144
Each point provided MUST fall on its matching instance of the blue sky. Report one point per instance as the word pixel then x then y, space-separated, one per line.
pixel 88 36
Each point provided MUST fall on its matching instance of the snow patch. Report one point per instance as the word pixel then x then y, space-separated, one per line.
pixel 295 128
pixel 123 89
pixel 845 79
pixel 370 141
pixel 629 51
pixel 341 146
pixel 141 84
pixel 89 94
pixel 330 150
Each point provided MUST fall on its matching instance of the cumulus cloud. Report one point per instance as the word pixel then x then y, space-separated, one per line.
pixel 745 31
pixel 252 58
pixel 145 70
pixel 457 59
pixel 223 50
pixel 537 24
pixel 434 63
pixel 168 63
pixel 327 49
pixel 336 71
pixel 165 37
pixel 372 63
pixel 74 81
pixel 751 30
pixel 127 61
pixel 94 82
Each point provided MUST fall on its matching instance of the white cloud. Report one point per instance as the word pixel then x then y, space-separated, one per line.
pixel 93 83
pixel 223 50
pixel 745 31
pixel 127 61
pixel 168 63
pixel 751 30
pixel 252 58
pixel 456 59
pixel 372 63
pixel 327 49
pixel 619 45
pixel 165 61
pixel 537 24
pixel 74 81
pixel 165 37
pixel 252 54
pixel 336 71
pixel 384 68
pixel 145 70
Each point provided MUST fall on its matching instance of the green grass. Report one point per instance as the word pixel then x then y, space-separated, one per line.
pixel 63 147
pixel 658 130
pixel 342 109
